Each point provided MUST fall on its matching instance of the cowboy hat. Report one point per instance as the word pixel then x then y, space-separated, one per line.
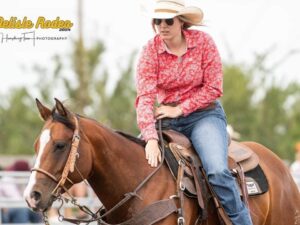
pixel 166 9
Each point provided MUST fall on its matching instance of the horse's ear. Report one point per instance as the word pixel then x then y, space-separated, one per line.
pixel 62 110
pixel 44 111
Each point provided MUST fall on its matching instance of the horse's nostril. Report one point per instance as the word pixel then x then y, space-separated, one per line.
pixel 35 195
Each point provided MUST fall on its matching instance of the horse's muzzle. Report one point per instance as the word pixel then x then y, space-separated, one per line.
pixel 34 201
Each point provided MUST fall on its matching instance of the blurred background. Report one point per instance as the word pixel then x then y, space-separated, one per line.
pixel 93 70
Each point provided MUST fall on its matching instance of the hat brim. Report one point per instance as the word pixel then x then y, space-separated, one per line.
pixel 191 15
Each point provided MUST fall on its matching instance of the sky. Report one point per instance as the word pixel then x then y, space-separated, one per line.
pixel 240 28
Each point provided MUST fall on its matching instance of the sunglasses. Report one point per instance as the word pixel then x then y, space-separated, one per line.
pixel 169 22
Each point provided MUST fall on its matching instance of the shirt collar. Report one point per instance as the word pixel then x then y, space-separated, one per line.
pixel 190 39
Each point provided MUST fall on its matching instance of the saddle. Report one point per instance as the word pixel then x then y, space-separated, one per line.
pixel 191 179
pixel 241 159
pixel 237 152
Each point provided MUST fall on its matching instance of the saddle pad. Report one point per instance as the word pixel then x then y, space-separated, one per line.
pixel 256 181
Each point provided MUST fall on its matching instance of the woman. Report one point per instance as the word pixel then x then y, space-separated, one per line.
pixel 182 70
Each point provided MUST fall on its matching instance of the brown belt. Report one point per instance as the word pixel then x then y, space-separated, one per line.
pixel 209 107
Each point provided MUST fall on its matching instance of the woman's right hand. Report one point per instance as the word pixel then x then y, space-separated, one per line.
pixel 153 154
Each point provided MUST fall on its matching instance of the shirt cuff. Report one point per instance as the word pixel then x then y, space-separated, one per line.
pixel 185 107
pixel 149 134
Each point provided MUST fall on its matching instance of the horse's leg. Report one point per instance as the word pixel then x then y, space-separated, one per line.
pixel 162 186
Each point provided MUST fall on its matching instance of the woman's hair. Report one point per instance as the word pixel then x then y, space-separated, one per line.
pixel 186 25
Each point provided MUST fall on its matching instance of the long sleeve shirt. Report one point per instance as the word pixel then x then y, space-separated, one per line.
pixel 192 81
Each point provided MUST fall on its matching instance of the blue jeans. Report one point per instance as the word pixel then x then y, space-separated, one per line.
pixel 207 132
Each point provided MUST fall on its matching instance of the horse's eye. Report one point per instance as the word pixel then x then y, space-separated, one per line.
pixel 60 146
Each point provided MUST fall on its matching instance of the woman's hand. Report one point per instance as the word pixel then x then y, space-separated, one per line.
pixel 153 154
pixel 167 111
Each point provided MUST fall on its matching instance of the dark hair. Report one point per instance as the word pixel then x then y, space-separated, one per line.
pixel 186 25
pixel 64 120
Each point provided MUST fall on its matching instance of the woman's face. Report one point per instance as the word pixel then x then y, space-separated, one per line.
pixel 168 28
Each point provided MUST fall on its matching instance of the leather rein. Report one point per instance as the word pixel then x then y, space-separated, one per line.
pixel 148 216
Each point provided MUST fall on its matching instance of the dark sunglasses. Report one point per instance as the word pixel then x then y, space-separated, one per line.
pixel 169 22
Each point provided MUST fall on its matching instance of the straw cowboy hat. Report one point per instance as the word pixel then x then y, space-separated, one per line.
pixel 166 9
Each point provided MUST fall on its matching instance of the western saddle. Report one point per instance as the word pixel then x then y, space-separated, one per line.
pixel 194 181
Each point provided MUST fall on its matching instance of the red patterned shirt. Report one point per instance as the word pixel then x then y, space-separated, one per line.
pixel 193 80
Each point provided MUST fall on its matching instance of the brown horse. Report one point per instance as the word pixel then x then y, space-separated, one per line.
pixel 114 166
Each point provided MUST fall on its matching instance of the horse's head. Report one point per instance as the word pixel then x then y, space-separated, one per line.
pixel 57 154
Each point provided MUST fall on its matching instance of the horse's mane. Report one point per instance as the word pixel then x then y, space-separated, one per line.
pixel 132 138
pixel 64 120
pixel 129 137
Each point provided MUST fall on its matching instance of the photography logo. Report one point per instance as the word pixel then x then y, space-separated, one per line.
pixel 16 29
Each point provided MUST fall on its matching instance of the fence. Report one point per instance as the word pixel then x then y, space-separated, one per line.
pixel 21 179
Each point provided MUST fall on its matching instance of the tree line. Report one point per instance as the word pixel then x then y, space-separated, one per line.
pixel 257 106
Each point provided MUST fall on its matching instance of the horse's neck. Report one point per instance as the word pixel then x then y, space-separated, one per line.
pixel 119 165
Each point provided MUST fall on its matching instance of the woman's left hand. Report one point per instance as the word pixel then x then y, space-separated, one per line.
pixel 165 111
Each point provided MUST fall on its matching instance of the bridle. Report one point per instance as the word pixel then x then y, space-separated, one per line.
pixel 69 166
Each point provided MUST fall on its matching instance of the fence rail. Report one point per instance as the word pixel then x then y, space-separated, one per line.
pixel 21 179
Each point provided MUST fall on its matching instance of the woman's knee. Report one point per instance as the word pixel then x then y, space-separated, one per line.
pixel 209 133
pixel 218 173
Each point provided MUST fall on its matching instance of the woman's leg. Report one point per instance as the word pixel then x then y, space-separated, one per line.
pixel 209 138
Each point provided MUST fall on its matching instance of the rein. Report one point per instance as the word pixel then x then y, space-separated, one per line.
pixel 148 215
